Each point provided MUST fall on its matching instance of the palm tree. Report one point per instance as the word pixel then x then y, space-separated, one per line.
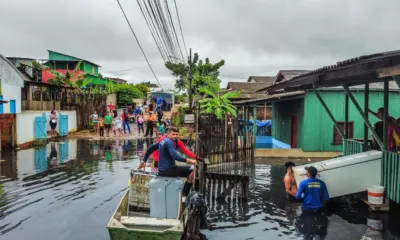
pixel 217 104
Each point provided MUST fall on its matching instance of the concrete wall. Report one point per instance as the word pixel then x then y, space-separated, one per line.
pixel 30 163
pixel 112 98
pixel 26 124
pixel 11 84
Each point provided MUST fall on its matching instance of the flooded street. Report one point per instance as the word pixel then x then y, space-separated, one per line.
pixel 69 190
pixel 72 197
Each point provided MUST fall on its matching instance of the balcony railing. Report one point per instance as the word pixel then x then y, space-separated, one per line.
pixel 351 146
pixel 390 175
pixel 40 105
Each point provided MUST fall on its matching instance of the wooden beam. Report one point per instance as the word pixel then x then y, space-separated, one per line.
pixel 329 113
pixel 385 114
pixel 346 117
pixel 265 111
pixel 352 72
pixel 237 122
pixel 254 125
pixel 366 110
pixel 365 118
pixel 388 72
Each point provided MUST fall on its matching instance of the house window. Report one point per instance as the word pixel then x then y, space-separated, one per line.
pixel 337 139
pixel 92 70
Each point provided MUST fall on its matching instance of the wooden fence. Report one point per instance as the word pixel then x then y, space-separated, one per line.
pixel 40 105
pixel 229 154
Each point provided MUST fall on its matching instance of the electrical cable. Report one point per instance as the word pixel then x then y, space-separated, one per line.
pixel 140 46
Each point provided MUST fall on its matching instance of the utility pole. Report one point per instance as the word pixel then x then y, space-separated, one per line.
pixel 190 79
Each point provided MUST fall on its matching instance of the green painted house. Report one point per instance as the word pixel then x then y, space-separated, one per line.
pixel 302 122
pixel 65 63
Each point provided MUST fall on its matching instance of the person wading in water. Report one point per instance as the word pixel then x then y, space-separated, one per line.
pixel 290 182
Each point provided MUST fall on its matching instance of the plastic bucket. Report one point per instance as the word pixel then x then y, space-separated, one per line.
pixel 375 194
pixel 375 224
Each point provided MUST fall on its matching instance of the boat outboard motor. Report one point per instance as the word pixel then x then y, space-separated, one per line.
pixel 197 210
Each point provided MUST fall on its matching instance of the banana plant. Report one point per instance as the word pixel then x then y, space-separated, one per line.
pixel 217 104
pixel 67 79
pixel 110 87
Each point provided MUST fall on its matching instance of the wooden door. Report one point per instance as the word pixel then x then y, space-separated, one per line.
pixel 293 132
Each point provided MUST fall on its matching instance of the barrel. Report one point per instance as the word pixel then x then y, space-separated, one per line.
pixel 375 194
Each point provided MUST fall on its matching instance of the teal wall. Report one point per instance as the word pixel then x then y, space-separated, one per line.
pixel 54 56
pixel 318 127
pixel 281 120
pixel 87 68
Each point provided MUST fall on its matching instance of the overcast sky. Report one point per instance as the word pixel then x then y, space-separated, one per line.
pixel 254 37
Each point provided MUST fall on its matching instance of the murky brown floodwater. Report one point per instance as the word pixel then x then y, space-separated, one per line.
pixel 69 190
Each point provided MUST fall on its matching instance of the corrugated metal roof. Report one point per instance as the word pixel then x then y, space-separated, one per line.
pixel 76 58
pixel 289 74
pixel 262 79
pixel 350 61
pixel 372 86
pixel 246 87
pixel 341 65
pixel 271 97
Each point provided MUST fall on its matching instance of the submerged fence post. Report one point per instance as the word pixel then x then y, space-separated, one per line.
pixel 254 130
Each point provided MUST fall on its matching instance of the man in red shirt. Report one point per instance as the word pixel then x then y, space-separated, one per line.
pixel 178 145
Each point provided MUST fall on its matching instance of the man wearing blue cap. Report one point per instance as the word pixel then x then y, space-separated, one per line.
pixel 314 190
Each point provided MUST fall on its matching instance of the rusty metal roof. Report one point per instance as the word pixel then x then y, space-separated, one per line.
pixel 246 87
pixel 262 79
pixel 270 97
pixel 372 63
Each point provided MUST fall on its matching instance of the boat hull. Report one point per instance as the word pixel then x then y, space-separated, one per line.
pixel 119 231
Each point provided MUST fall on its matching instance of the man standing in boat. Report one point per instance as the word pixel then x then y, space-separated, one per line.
pixel 167 157
pixel 314 190
pixel 290 183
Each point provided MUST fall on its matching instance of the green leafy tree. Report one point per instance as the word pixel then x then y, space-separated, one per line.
pixel 204 73
pixel 217 104
pixel 126 94
pixel 143 87
pixel 179 98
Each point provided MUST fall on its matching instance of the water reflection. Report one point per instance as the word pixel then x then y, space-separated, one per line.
pixel 63 181
pixel 267 215
pixel 69 189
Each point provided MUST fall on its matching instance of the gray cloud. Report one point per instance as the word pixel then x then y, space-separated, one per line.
pixel 256 37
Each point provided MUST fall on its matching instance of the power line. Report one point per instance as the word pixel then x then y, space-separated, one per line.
pixel 152 31
pixel 160 30
pixel 137 40
pixel 180 26
pixel 173 27
pixel 130 69
pixel 154 23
